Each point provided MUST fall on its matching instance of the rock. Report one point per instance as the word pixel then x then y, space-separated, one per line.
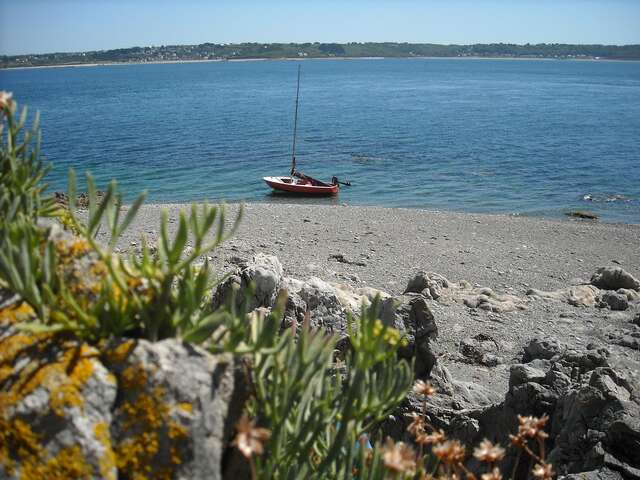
pixel 596 425
pixel 436 287
pixel 600 474
pixel 130 409
pixel 543 349
pixel 411 315
pixel 615 301
pixel 582 215
pixel 577 296
pixel 631 295
pixel 176 408
pixel 481 349
pixel 55 407
pixel 523 373
pixel 264 272
pixel 624 434
pixel 613 278
pixel 294 310
pixel 428 284
pixel 629 341
pixel 339 257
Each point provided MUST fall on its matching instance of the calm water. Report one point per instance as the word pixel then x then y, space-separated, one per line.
pixel 527 137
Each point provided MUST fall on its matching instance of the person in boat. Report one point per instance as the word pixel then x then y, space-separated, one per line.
pixel 305 178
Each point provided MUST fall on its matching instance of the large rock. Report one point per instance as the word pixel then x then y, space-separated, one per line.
pixel 176 408
pixel 128 409
pixel 410 314
pixel 613 278
pixel 55 406
pixel 482 349
pixel 428 284
pixel 545 349
pixel 595 425
pixel 328 304
pixel 615 301
pixel 262 272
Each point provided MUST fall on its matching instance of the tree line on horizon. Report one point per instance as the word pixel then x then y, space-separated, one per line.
pixel 213 51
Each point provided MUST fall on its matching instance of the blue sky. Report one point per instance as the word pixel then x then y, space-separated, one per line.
pixel 36 26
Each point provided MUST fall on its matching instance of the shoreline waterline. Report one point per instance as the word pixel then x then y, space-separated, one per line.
pixel 382 246
pixel 304 59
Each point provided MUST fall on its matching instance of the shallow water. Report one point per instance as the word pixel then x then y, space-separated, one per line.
pixel 496 136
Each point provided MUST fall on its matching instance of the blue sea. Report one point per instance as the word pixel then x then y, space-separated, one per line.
pixel 523 137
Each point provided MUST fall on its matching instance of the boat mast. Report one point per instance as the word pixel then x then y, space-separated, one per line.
pixel 295 127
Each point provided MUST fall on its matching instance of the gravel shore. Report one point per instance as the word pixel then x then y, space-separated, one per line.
pixel 383 248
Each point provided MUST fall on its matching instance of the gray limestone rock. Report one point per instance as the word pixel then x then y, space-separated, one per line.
pixel 543 349
pixel 429 284
pixel 176 408
pixel 410 314
pixel 523 373
pixel 262 272
pixel 613 278
pixel 615 301
pixel 55 408
pixel 481 349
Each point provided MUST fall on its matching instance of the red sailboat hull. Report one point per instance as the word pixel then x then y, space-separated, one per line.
pixel 306 186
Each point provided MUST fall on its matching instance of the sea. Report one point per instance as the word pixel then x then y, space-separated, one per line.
pixel 523 137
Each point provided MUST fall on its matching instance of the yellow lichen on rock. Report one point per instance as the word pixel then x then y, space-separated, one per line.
pixel 68 393
pixel 68 463
pixel 59 368
pixel 108 460
pixel 148 429
pixel 16 313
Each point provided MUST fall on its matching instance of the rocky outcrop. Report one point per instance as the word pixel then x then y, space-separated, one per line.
pixel 594 411
pixel 410 314
pixel 435 287
pixel 128 409
pixel 610 287
pixel 577 296
pixel 257 282
pixel 55 406
pixel 263 273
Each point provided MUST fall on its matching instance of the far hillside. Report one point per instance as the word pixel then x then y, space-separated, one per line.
pixel 213 51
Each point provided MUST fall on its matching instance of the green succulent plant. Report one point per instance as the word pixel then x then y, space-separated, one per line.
pixel 314 408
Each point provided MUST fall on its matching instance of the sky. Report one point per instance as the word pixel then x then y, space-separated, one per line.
pixel 40 26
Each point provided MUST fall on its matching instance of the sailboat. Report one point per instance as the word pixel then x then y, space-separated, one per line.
pixel 297 182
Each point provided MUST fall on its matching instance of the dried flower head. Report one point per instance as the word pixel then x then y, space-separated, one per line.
pixel 250 439
pixel 532 427
pixel 450 452
pixel 488 452
pixel 5 99
pixel 416 427
pixel 543 471
pixel 432 438
pixel 517 440
pixel 424 388
pixel 494 474
pixel 399 457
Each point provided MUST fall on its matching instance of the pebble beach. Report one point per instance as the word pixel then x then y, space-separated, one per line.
pixel 381 247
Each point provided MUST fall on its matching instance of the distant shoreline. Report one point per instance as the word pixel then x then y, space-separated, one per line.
pixel 239 60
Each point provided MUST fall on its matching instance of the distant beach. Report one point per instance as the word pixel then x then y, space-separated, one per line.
pixel 163 62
